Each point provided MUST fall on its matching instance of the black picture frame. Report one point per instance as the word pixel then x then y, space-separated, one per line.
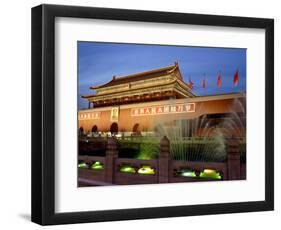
pixel 43 110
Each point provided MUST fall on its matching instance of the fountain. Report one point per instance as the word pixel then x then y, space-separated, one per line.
pixel 204 138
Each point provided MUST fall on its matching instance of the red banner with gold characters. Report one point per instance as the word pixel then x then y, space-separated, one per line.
pixel 165 109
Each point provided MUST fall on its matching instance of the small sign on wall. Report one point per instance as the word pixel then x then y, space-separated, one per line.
pixel 89 115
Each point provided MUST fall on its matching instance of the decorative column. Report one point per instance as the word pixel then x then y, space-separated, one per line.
pixel 233 159
pixel 164 161
pixel 110 155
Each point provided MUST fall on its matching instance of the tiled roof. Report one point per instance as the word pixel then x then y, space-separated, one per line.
pixel 104 94
pixel 138 76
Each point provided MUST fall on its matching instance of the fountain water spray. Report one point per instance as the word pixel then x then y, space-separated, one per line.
pixel 204 138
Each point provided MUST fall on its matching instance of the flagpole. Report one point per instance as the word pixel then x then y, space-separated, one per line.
pixel 236 74
pixel 237 88
pixel 219 81
pixel 219 84
pixel 203 85
pixel 238 85
pixel 204 82
pixel 205 89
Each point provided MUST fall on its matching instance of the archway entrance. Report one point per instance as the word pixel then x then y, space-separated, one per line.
pixel 94 129
pixel 136 131
pixel 136 128
pixel 114 128
pixel 81 131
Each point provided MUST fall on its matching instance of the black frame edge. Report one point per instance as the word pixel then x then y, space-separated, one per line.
pixel 269 113
pixel 36 114
pixel 155 16
pixel 43 126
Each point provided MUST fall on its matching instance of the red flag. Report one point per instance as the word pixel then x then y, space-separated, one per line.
pixel 219 81
pixel 190 84
pixel 236 78
pixel 204 83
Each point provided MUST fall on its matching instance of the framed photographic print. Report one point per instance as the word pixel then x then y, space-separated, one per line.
pixel 142 114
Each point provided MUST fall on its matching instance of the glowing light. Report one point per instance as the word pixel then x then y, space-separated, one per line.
pixel 127 169
pixel 210 173
pixel 186 173
pixel 97 165
pixel 83 165
pixel 146 170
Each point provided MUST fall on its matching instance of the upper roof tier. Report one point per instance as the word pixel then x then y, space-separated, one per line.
pixel 141 76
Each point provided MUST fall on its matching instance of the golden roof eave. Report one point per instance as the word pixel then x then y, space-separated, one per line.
pixel 106 94
pixel 115 79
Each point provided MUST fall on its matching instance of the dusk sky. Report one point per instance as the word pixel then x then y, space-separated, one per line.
pixel 98 62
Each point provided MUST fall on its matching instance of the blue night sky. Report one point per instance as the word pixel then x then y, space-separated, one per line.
pixel 98 62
